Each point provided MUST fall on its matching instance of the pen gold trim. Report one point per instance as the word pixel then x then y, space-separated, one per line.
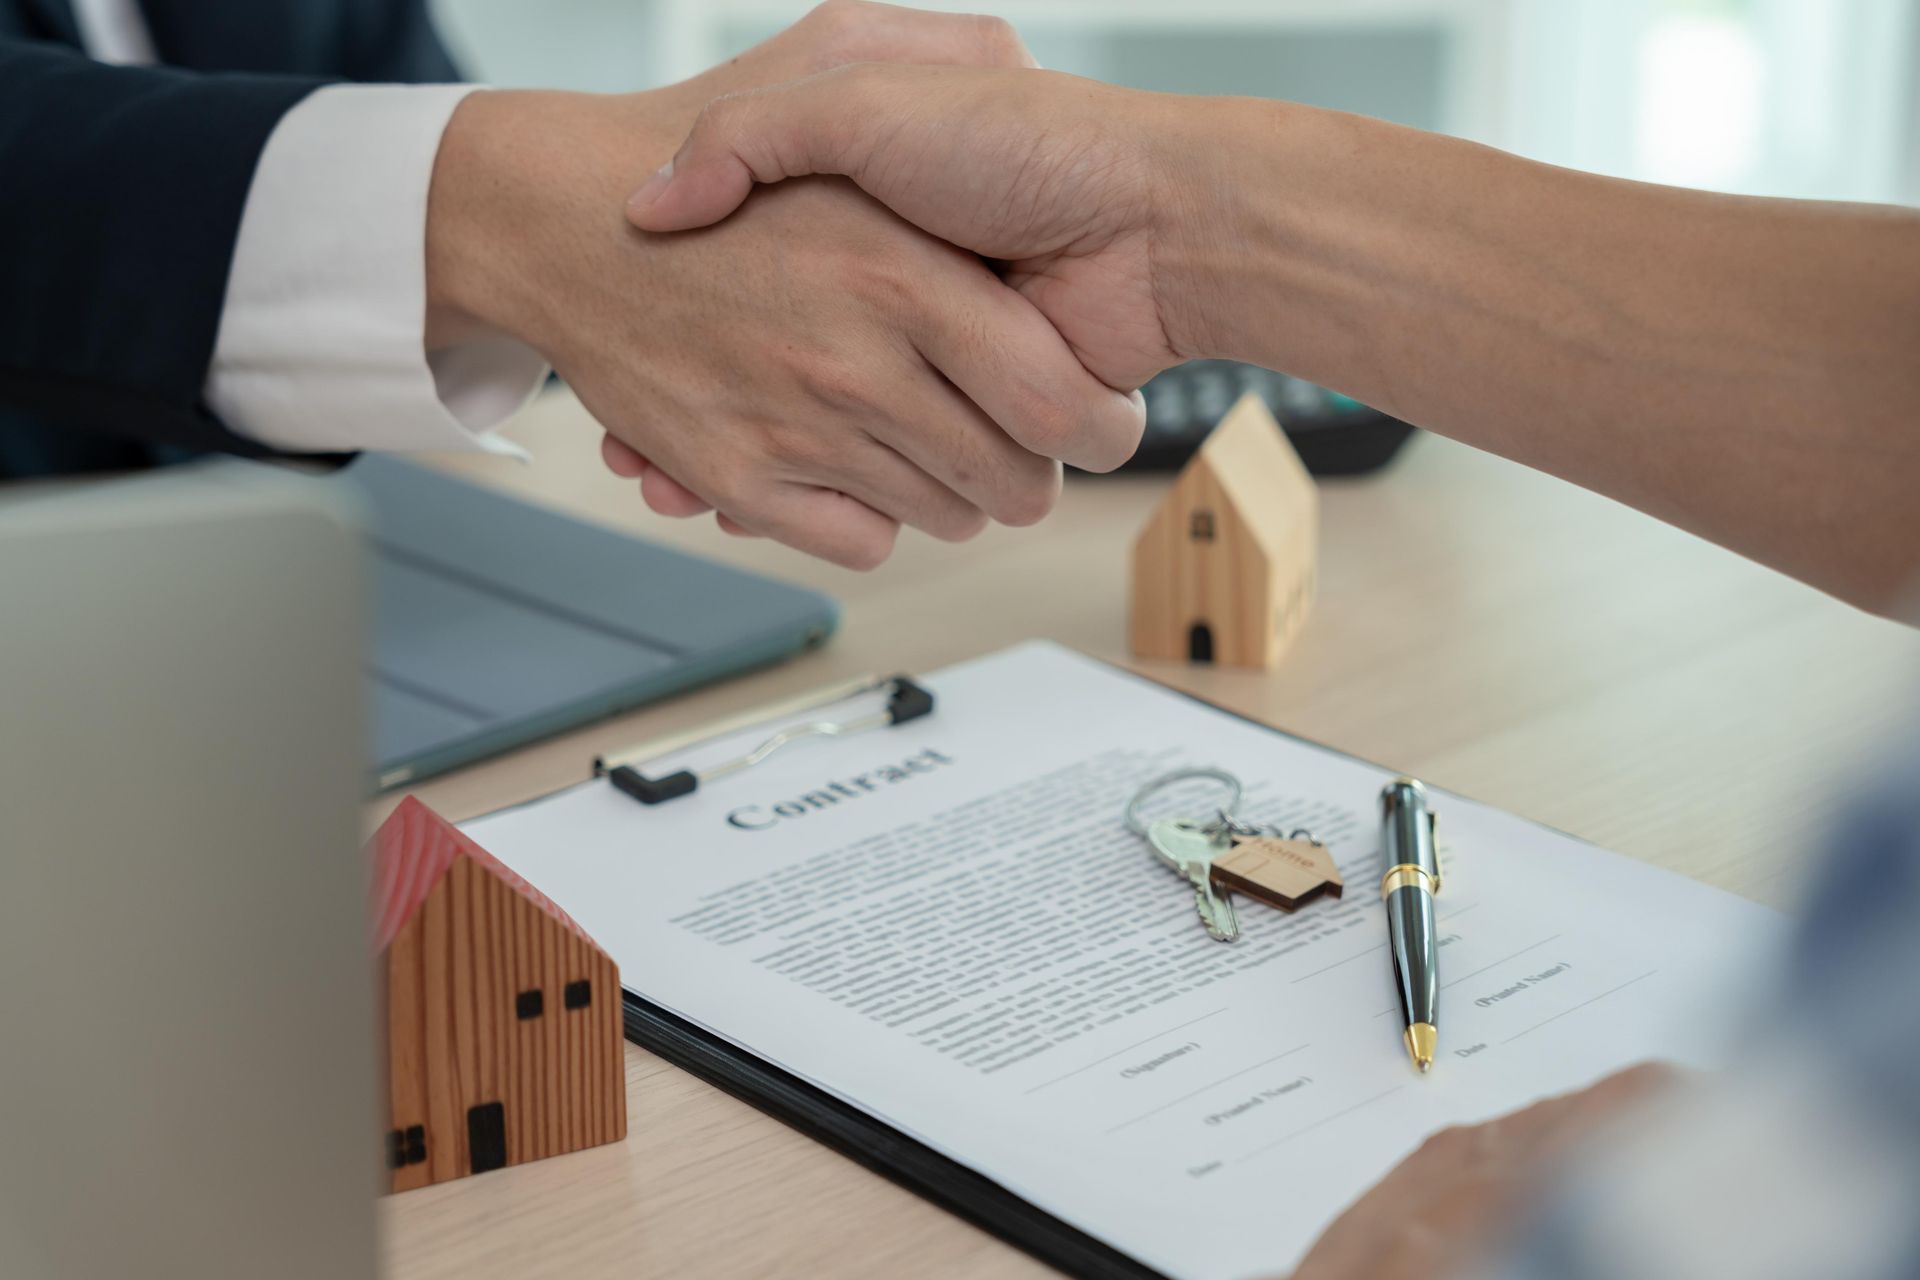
pixel 1407 874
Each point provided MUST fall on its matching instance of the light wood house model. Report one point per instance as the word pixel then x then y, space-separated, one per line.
pixel 1224 569
pixel 502 1019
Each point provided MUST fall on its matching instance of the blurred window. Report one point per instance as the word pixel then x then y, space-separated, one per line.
pixel 1817 98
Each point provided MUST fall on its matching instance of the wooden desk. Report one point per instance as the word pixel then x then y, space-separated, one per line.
pixel 1493 630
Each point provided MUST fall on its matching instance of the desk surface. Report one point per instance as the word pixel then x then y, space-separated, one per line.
pixel 1493 630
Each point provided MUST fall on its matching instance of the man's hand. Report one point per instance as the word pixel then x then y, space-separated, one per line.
pixel 832 34
pixel 1065 180
pixel 816 370
pixel 1453 1200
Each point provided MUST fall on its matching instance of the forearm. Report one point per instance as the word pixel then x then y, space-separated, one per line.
pixel 1744 368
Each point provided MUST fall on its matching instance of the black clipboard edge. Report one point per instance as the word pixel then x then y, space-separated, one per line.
pixel 875 1145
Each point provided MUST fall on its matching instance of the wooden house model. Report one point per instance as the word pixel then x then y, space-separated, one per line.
pixel 502 1018
pixel 1224 569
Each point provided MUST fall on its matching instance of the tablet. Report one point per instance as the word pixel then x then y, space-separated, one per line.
pixel 498 622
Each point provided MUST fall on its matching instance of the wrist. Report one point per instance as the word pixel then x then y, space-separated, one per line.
pixel 513 168
pixel 1214 244
pixel 1187 226
pixel 1270 216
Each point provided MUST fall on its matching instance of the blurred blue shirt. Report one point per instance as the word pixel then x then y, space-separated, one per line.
pixel 1804 1159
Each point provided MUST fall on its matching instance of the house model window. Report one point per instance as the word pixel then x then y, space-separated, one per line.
pixel 1201 529
pixel 407 1146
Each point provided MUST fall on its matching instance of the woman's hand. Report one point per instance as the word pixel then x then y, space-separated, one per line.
pixel 1452 1201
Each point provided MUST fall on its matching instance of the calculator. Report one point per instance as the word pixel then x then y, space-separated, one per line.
pixel 1333 434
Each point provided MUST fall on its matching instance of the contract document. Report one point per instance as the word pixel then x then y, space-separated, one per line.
pixel 948 925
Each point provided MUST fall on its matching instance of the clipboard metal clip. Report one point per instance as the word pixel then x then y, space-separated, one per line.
pixel 906 701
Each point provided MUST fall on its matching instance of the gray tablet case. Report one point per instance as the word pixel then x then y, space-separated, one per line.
pixel 498 622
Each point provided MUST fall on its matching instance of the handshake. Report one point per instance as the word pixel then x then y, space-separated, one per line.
pixel 946 289
pixel 882 270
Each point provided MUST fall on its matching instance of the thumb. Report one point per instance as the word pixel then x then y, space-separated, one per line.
pixel 765 135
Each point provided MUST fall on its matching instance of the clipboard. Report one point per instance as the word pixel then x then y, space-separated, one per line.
pixel 900 1077
pixel 829 1120
pixel 834 1123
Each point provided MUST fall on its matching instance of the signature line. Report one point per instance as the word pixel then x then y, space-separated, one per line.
pixel 1203 1088
pixel 1322 1120
pixel 1502 960
pixel 1337 963
pixel 1117 1052
pixel 1583 1004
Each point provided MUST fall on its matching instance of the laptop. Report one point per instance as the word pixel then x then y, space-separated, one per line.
pixel 187 1067
pixel 497 622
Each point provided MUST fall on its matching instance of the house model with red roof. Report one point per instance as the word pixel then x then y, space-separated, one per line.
pixel 503 1026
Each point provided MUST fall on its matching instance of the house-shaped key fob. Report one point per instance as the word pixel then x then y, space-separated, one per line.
pixel 1283 873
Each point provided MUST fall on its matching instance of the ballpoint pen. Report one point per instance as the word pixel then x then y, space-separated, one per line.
pixel 1412 878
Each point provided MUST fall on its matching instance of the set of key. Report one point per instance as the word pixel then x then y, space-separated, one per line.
pixel 1190 849
pixel 1221 855
pixel 1282 871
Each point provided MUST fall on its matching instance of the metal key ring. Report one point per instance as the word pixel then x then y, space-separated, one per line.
pixel 1165 780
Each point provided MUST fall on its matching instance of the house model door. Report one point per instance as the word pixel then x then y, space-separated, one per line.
pixel 487 1136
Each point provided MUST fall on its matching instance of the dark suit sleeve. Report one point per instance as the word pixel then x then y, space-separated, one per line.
pixel 395 41
pixel 120 202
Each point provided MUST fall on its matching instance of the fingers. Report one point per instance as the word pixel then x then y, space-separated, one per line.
pixel 622 458
pixel 669 497
pixel 877 477
pixel 1540 1133
pixel 858 31
pixel 844 41
pixel 961 405
pixel 1582 1112
pixel 660 491
pixel 823 523
pixel 966 450
pixel 787 131
pixel 1006 357
pixel 1610 1093
pixel 884 483
pixel 881 478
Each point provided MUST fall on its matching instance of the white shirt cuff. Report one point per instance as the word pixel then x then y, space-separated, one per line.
pixel 321 344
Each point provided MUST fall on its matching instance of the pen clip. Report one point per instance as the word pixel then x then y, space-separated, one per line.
pixel 1433 837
